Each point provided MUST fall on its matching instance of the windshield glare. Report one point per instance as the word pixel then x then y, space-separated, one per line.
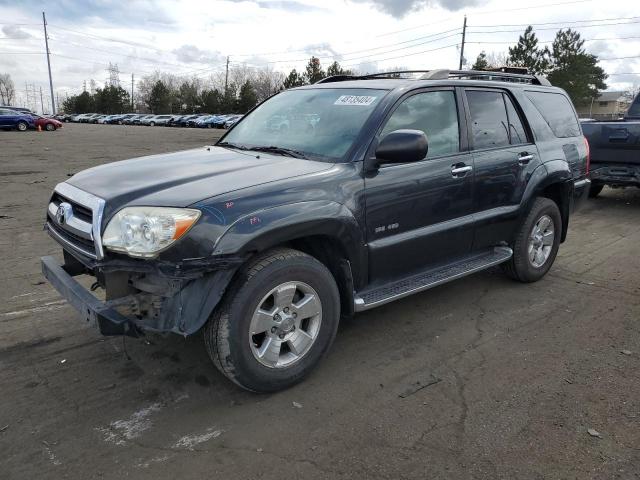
pixel 320 123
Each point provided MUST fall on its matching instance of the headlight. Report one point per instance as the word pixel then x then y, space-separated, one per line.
pixel 145 231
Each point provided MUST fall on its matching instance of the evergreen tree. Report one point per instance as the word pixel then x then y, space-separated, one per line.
pixel 210 101
pixel 294 79
pixel 160 98
pixel 336 69
pixel 527 54
pixel 481 62
pixel 575 70
pixel 247 99
pixel 314 70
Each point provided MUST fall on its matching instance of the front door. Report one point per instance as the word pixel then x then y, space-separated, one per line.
pixel 419 214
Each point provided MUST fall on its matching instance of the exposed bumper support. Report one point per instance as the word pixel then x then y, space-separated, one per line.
pixel 92 311
pixel 616 174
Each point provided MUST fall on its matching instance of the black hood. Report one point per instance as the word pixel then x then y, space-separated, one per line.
pixel 183 178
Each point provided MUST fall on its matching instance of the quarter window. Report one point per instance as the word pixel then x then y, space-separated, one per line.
pixel 557 111
pixel 488 119
pixel 434 113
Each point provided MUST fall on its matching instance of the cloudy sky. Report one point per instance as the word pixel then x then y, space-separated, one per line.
pixel 195 37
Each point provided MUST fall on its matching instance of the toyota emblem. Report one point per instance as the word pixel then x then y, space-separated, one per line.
pixel 60 215
pixel 63 213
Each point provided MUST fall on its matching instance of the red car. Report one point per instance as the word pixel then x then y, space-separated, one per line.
pixel 45 123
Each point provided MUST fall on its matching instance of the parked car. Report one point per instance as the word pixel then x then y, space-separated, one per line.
pixel 232 121
pixel 198 121
pixel 10 118
pixel 139 119
pixel 173 121
pixel 46 123
pixel 265 240
pixel 159 120
pixel 615 150
pixel 17 109
pixel 182 122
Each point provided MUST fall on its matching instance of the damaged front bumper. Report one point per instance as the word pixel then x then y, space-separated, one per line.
pixel 145 299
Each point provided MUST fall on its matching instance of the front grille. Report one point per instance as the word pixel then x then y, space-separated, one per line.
pixel 82 212
pixel 84 245
pixel 78 226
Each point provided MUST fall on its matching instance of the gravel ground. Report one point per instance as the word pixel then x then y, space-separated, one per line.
pixel 521 372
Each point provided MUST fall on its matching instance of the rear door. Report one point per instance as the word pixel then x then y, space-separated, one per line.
pixel 504 157
pixel 418 214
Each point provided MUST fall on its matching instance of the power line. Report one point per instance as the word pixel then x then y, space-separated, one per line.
pixel 551 41
pixel 554 23
pixel 554 28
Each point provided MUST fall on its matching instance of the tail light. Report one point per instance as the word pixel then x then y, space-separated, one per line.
pixel 586 144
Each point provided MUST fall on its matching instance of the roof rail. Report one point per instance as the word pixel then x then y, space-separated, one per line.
pixel 502 74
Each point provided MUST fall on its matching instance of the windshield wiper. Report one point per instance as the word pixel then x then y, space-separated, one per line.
pixel 231 145
pixel 280 150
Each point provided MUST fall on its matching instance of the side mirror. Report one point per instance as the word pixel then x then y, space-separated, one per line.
pixel 402 146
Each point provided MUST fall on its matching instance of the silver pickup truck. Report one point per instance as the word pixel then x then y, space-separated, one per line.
pixel 615 150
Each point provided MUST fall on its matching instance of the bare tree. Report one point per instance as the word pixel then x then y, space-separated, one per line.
pixel 7 89
pixel 267 82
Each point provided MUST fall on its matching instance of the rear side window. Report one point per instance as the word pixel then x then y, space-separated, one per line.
pixel 557 111
pixel 634 110
pixel 517 133
pixel 488 119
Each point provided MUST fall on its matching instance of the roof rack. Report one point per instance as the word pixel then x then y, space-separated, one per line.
pixel 502 74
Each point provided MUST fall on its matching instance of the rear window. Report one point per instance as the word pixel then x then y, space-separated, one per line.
pixel 557 111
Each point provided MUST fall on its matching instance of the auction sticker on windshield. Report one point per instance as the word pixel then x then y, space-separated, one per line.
pixel 355 100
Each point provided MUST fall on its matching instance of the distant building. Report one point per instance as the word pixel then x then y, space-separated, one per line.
pixel 607 106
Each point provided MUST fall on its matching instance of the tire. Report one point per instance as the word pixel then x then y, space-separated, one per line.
pixel 228 338
pixel 595 190
pixel 521 267
pixel 22 126
pixel 50 127
pixel 152 124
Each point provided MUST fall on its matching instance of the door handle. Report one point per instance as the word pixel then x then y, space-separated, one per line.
pixel 523 159
pixel 460 169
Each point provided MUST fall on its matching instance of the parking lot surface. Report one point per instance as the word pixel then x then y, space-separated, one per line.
pixel 480 378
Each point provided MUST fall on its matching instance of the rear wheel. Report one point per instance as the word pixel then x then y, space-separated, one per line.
pixel 276 323
pixel 537 242
pixel 22 126
pixel 152 124
pixel 49 127
pixel 595 190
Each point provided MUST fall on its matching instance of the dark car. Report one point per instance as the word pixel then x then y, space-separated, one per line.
pixel 265 240
pixel 10 119
pixel 182 122
pixel 615 150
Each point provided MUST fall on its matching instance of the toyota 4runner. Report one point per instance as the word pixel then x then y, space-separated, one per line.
pixel 265 240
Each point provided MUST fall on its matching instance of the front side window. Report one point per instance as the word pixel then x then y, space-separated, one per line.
pixel 317 123
pixel 488 119
pixel 434 113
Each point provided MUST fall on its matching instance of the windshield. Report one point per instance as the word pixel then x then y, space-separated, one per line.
pixel 320 124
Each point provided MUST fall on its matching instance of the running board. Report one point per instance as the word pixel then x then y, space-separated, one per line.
pixel 423 281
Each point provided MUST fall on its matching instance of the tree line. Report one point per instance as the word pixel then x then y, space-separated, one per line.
pixel 566 64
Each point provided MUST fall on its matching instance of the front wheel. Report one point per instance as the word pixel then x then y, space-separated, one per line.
pixel 22 126
pixel 152 124
pixel 537 242
pixel 49 127
pixel 276 323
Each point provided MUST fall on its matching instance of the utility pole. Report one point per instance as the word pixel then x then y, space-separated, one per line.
pixel 464 31
pixel 226 77
pixel 41 102
pixel 46 42
pixel 132 108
